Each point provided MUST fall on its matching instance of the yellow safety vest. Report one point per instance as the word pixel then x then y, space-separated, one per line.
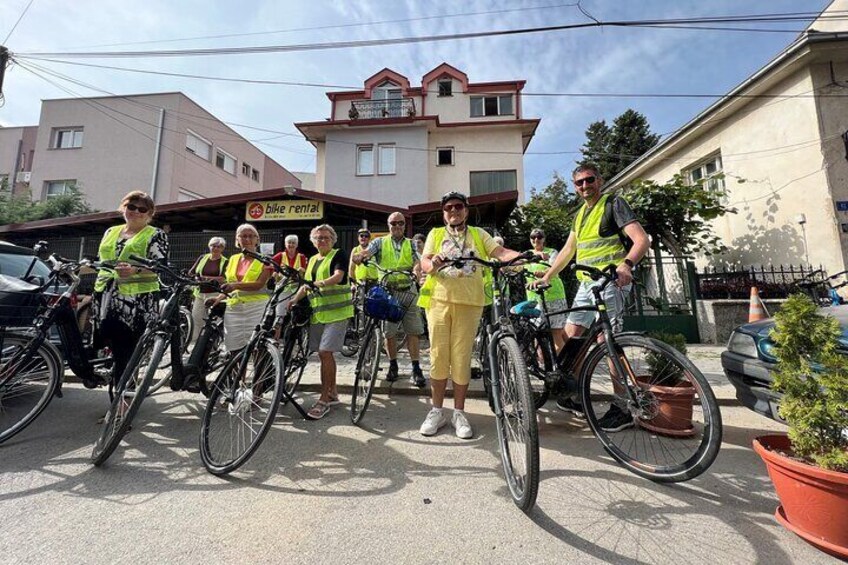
pixel 364 272
pixel 335 303
pixel 137 283
pixel 557 290
pixel 593 249
pixel 202 264
pixel 390 260
pixel 252 275
pixel 438 237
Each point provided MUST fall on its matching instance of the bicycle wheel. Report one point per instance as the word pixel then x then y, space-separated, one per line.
pixel 518 433
pixel 671 431
pixel 365 376
pixel 295 357
pixel 241 408
pixel 129 394
pixel 28 381
pixel 353 335
pixel 215 358
pixel 538 356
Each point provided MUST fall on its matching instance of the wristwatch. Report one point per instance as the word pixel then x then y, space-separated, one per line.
pixel 629 263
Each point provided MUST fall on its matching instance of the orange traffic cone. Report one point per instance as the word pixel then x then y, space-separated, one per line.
pixel 757 310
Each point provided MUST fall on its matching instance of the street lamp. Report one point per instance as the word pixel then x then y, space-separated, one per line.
pixel 801 220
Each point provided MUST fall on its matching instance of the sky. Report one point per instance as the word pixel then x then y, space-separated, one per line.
pixel 595 60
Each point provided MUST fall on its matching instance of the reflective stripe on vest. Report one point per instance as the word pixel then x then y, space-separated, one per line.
pixel 426 291
pixel 252 275
pixel 390 260
pixel 141 283
pixel 593 249
pixel 202 264
pixel 335 303
pixel 557 290
pixel 364 272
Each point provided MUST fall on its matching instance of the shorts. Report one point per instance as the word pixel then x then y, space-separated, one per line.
pixel 452 331
pixel 412 323
pixel 614 298
pixel 327 337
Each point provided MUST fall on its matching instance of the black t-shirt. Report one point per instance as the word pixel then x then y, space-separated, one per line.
pixel 340 261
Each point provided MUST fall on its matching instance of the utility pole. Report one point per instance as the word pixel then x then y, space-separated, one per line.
pixel 4 61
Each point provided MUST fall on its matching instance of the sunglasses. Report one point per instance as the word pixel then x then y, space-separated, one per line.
pixel 537 237
pixel 365 235
pixel 453 207
pixel 139 209
pixel 585 180
pixel 397 223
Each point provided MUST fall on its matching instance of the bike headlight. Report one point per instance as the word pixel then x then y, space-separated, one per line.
pixel 743 344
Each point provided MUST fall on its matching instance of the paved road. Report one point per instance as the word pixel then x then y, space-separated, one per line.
pixel 329 492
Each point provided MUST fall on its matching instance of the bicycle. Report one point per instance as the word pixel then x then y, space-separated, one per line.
pixel 818 286
pixel 256 381
pixel 674 431
pixel 162 337
pixel 356 326
pixel 31 367
pixel 386 301
pixel 507 386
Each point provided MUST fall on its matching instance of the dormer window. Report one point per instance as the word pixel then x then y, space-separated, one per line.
pixel 491 105
pixel 445 87
pixel 386 90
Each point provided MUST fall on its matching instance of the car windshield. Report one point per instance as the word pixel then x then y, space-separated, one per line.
pixel 17 265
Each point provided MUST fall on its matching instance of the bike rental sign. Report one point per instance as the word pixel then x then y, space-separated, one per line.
pixel 267 210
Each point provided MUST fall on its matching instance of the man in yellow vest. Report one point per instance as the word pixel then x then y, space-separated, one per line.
pixel 596 238
pixel 397 252
pixel 357 272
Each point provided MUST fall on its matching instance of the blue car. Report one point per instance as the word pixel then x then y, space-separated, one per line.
pixel 749 362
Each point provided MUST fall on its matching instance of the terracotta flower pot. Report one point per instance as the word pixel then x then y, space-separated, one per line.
pixel 674 408
pixel 813 501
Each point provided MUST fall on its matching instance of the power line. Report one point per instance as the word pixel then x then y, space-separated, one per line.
pixel 337 26
pixel 757 18
pixel 5 41
pixel 272 82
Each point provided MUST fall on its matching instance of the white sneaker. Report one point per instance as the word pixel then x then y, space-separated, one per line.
pixel 435 419
pixel 461 425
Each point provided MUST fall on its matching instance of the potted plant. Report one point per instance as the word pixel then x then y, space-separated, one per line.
pixel 809 467
pixel 672 393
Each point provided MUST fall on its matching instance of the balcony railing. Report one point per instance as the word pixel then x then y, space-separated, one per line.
pixel 381 109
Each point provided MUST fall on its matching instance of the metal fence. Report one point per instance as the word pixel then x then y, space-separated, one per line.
pixel 772 281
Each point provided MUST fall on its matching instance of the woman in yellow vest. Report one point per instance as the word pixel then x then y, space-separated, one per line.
pixel 331 310
pixel 454 298
pixel 127 299
pixel 209 266
pixel 555 298
pixel 245 282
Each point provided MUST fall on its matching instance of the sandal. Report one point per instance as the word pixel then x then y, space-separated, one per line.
pixel 334 401
pixel 318 410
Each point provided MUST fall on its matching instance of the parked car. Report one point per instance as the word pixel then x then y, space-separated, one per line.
pixel 749 362
pixel 18 262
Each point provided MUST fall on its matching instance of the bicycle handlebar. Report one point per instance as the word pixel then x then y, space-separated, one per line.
pixel 494 264
pixel 284 270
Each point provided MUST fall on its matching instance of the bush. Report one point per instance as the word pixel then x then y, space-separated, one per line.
pixel 813 377
pixel 670 375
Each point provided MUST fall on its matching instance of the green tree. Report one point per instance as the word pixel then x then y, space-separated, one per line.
pixel 676 214
pixel 613 148
pixel 19 208
pixel 551 208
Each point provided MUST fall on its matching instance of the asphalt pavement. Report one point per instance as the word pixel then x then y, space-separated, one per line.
pixel 331 492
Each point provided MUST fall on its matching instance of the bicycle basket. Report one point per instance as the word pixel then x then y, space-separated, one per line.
pixel 381 305
pixel 19 302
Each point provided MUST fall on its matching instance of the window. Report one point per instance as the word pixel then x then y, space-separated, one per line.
pixel 225 161
pixel 365 160
pixel 198 146
pixel 245 169
pixel 444 156
pixel 387 159
pixel 487 182
pixel 67 138
pixel 59 187
pixel 491 105
pixel 254 174
pixel 446 87
pixel 709 173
